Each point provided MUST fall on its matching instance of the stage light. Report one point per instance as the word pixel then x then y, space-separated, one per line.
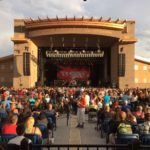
pixel 98 50
pixel 56 51
pixel 83 51
pixel 71 51
pixel 26 48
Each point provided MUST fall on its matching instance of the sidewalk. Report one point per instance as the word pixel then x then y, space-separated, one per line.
pixel 72 135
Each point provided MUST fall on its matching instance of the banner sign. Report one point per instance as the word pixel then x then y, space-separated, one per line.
pixel 73 73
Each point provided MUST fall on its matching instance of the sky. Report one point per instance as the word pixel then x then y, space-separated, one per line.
pixel 137 10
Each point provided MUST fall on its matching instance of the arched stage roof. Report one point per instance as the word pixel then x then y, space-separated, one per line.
pixel 105 30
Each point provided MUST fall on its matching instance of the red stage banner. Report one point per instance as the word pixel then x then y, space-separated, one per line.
pixel 73 72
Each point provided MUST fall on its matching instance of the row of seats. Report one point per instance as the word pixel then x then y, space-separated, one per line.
pixel 126 138
pixel 36 139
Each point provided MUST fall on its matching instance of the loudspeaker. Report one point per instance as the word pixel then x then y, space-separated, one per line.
pixel 26 64
pixel 121 64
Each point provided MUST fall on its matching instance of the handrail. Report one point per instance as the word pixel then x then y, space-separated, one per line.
pixel 90 146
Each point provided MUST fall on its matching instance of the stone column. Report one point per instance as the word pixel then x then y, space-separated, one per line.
pixel 22 45
pixel 128 78
pixel 33 63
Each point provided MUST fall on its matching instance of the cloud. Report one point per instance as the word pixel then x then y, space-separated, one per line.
pixel 143 44
pixel 31 8
pixel 124 9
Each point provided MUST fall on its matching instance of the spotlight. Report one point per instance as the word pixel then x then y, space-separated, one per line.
pixel 98 50
pixel 56 51
pixel 84 0
pixel 83 51
pixel 71 51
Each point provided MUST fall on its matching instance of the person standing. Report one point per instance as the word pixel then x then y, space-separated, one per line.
pixel 81 111
pixel 106 99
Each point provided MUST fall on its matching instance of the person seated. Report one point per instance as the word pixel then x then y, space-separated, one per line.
pixel 19 140
pixel 125 106
pixel 113 124
pixel 106 114
pixel 139 112
pixel 92 110
pixel 41 119
pixel 145 127
pixel 122 127
pixel 29 127
pixel 93 106
pixel 131 118
pixel 147 109
pixel 10 126
pixel 51 114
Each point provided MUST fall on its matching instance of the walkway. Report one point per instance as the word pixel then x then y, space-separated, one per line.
pixel 72 135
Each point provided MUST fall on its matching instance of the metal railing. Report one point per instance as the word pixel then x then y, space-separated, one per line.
pixel 131 146
pixel 81 147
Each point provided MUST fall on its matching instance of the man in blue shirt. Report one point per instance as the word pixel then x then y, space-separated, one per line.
pixel 106 99
pixel 125 106
pixel 6 102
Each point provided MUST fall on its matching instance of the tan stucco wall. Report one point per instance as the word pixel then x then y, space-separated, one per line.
pixel 128 79
pixel 6 72
pixel 141 74
pixel 19 79
pixel 21 42
pixel 128 49
pixel 34 63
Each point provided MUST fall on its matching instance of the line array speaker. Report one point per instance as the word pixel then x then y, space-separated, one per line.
pixel 26 64
pixel 121 64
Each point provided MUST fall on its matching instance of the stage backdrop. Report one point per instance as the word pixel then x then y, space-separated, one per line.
pixel 68 72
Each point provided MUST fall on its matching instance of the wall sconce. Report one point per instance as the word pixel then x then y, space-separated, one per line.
pixel 26 48
pixel 121 49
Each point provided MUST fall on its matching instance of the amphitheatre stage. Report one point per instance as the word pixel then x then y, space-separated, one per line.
pixel 73 52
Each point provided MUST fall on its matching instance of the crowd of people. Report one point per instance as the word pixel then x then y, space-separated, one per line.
pixel 42 105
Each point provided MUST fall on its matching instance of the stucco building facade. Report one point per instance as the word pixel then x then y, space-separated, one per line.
pixel 63 38
pixel 142 72
pixel 6 71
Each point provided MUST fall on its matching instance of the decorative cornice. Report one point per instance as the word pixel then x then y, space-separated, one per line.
pixel 76 22
pixel 127 41
pixel 21 40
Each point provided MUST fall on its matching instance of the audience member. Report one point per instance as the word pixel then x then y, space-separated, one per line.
pixel 29 127
pixel 11 125
pixel 19 141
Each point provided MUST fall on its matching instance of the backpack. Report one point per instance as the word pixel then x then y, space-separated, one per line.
pixel 144 128
pixel 124 128
pixel 25 145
